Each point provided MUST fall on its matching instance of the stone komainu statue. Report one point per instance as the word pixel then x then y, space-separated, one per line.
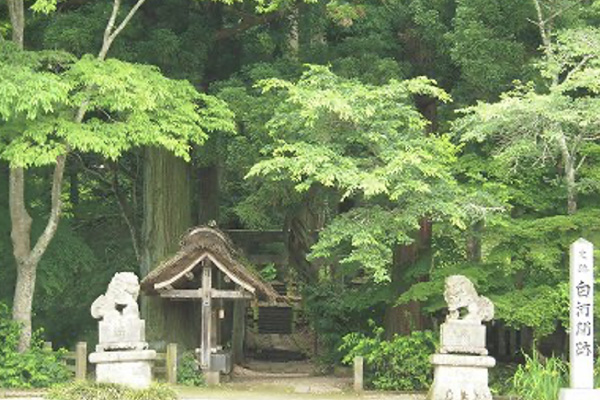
pixel 460 293
pixel 120 299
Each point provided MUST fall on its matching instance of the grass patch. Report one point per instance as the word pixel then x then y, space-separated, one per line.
pixel 83 390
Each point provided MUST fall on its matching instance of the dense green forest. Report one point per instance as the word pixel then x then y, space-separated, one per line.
pixel 395 142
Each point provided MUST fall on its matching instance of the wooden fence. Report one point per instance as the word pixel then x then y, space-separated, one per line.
pixel 165 365
pixel 77 361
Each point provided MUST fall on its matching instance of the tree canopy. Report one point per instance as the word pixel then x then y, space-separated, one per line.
pixel 390 144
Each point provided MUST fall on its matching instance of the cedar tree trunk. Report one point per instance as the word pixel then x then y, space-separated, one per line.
pixel 167 216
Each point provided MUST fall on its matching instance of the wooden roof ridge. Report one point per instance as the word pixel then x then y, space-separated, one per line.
pixel 195 243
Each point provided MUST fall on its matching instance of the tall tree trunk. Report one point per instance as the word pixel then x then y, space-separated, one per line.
pixel 406 318
pixel 167 215
pixel 570 175
pixel 294 34
pixel 28 258
pixel 474 242
pixel 16 11
pixel 23 302
pixel 208 184
pixel 300 228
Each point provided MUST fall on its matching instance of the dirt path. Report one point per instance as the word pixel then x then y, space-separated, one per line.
pixel 269 381
pixel 275 393
pixel 287 381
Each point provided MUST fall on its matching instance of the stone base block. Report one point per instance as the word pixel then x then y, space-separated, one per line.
pixel 130 368
pixel 463 337
pixel 460 377
pixel 121 334
pixel 579 394
pixel 213 378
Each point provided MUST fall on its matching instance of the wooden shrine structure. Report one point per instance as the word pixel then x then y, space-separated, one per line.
pixel 205 269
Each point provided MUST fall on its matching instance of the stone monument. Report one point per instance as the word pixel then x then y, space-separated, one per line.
pixel 122 354
pixel 581 335
pixel 461 366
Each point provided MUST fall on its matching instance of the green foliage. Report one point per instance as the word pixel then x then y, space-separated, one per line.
pixel 257 205
pixel 540 380
pixel 188 371
pixel 38 367
pixel 86 390
pixel 367 143
pixel 28 87
pixel 501 379
pixel 536 126
pixel 485 46
pixel 128 104
pixel 61 291
pixel 44 6
pixel 401 363
pixel 523 270
pixel 334 316
pixel 269 272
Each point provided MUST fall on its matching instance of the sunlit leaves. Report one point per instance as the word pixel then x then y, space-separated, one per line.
pixel 127 104
pixel 367 142
pixel 44 6
pixel 27 88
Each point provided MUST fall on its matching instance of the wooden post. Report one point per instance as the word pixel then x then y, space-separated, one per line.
pixel 206 317
pixel 502 345
pixel 358 374
pixel 512 343
pixel 81 361
pixel 214 333
pixel 171 363
pixel 239 326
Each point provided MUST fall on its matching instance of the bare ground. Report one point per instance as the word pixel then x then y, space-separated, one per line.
pixel 261 380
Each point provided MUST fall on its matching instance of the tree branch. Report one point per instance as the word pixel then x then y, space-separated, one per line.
pixel 20 218
pixel 580 163
pixel 55 211
pixel 127 213
pixel 578 67
pixel 541 23
pixel 111 21
pixel 248 21
pixel 111 33
pixel 130 15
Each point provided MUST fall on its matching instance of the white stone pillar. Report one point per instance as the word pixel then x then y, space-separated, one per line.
pixel 581 335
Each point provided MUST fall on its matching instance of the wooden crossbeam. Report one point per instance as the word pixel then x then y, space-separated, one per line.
pixel 199 294
pixel 205 342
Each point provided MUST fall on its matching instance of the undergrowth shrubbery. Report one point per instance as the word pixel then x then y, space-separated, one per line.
pixel 85 390
pixel 399 364
pixel 540 380
pixel 38 367
pixel 501 378
pixel 188 372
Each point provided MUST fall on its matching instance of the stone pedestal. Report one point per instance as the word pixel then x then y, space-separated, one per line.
pixel 579 394
pixel 212 378
pixel 463 337
pixel 460 377
pixel 122 334
pixel 130 368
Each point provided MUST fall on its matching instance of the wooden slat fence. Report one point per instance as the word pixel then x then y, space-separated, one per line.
pixel 164 367
pixel 77 361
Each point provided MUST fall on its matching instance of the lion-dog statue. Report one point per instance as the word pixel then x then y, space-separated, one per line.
pixel 120 299
pixel 460 293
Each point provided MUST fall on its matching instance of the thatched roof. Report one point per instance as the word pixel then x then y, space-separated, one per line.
pixel 206 240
